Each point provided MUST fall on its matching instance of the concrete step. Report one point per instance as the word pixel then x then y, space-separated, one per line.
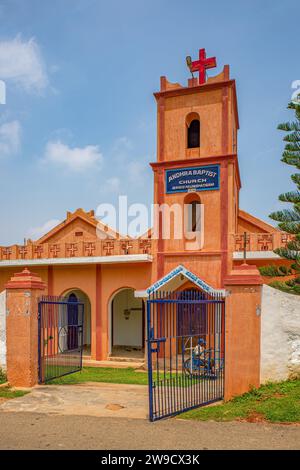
pixel 113 364
pixel 140 360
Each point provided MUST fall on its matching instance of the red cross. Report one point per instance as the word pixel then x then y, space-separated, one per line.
pixel 72 248
pixel 108 247
pixel 38 251
pixel 89 248
pixel 145 245
pixel 22 251
pixel 202 64
pixel 126 247
pixel 6 252
pixel 54 250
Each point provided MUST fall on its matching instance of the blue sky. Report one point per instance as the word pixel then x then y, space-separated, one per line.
pixel 79 124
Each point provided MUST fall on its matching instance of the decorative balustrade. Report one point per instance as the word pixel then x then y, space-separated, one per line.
pixel 109 247
pixel 260 241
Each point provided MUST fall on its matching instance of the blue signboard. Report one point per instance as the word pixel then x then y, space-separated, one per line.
pixel 198 178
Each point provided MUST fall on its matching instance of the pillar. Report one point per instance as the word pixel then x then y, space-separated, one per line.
pixel 22 292
pixel 242 330
pixel 101 319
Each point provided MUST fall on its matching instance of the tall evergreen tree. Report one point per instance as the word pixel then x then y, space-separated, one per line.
pixel 289 219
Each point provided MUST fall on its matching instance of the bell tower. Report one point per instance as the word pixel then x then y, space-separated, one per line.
pixel 197 170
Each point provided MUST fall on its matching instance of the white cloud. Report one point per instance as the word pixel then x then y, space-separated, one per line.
pixel 10 138
pixel 122 144
pixel 76 159
pixel 137 171
pixel 22 62
pixel 35 233
pixel 113 184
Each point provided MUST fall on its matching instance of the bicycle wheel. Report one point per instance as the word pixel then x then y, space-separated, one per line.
pixel 193 368
pixel 188 367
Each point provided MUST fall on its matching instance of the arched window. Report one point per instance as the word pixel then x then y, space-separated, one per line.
pixel 193 212
pixel 194 217
pixel 193 134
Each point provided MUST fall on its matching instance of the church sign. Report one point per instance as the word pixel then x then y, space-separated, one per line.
pixel 198 178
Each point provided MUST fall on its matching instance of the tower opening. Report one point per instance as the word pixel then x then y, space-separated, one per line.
pixel 193 134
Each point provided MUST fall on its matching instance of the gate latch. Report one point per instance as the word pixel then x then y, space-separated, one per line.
pixel 157 341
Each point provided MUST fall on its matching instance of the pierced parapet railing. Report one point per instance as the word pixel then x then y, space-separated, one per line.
pixel 108 247
pixel 260 241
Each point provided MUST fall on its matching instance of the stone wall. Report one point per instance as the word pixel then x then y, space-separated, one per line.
pixel 3 330
pixel 280 335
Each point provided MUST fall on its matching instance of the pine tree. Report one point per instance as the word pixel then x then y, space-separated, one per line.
pixel 289 219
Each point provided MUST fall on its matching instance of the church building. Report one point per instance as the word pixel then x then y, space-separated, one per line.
pixel 197 167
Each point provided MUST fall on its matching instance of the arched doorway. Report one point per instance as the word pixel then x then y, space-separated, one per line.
pixel 191 318
pixel 127 325
pixel 78 295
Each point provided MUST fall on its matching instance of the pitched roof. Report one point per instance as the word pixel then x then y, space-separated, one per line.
pixel 87 217
pixel 260 224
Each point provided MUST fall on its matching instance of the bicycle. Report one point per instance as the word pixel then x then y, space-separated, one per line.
pixel 203 363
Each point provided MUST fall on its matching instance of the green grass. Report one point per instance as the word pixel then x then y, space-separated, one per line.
pixel 2 376
pixel 274 402
pixel 126 375
pixel 104 374
pixel 7 392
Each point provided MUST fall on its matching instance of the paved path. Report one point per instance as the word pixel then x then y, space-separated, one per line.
pixel 89 399
pixel 39 431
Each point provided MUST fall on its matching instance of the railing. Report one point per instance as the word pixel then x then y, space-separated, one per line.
pixel 260 241
pixel 107 247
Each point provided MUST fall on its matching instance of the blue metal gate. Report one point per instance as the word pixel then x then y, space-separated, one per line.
pixel 186 351
pixel 60 340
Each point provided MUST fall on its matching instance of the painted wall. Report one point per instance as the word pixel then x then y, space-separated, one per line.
pixel 127 332
pixel 280 335
pixel 3 330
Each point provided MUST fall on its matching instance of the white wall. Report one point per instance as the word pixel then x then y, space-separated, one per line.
pixel 280 335
pixel 127 332
pixel 3 330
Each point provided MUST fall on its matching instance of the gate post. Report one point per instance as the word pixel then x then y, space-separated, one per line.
pixel 22 293
pixel 242 330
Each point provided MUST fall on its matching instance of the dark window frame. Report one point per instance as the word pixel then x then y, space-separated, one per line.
pixel 193 134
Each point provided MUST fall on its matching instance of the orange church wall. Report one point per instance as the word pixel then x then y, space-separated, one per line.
pixel 100 287
pixel 207 267
pixel 211 201
pixel 209 107
pixel 114 278
pixel 98 284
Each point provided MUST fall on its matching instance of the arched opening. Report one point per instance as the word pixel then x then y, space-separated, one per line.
pixel 192 213
pixel 193 130
pixel 74 295
pixel 127 325
pixel 191 318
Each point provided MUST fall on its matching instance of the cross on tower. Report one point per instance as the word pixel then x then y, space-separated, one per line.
pixel 202 64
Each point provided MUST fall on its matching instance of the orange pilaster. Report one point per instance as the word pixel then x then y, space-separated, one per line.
pixel 23 290
pixel 242 330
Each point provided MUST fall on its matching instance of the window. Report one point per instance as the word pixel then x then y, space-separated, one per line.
pixel 193 212
pixel 193 134
pixel 194 217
